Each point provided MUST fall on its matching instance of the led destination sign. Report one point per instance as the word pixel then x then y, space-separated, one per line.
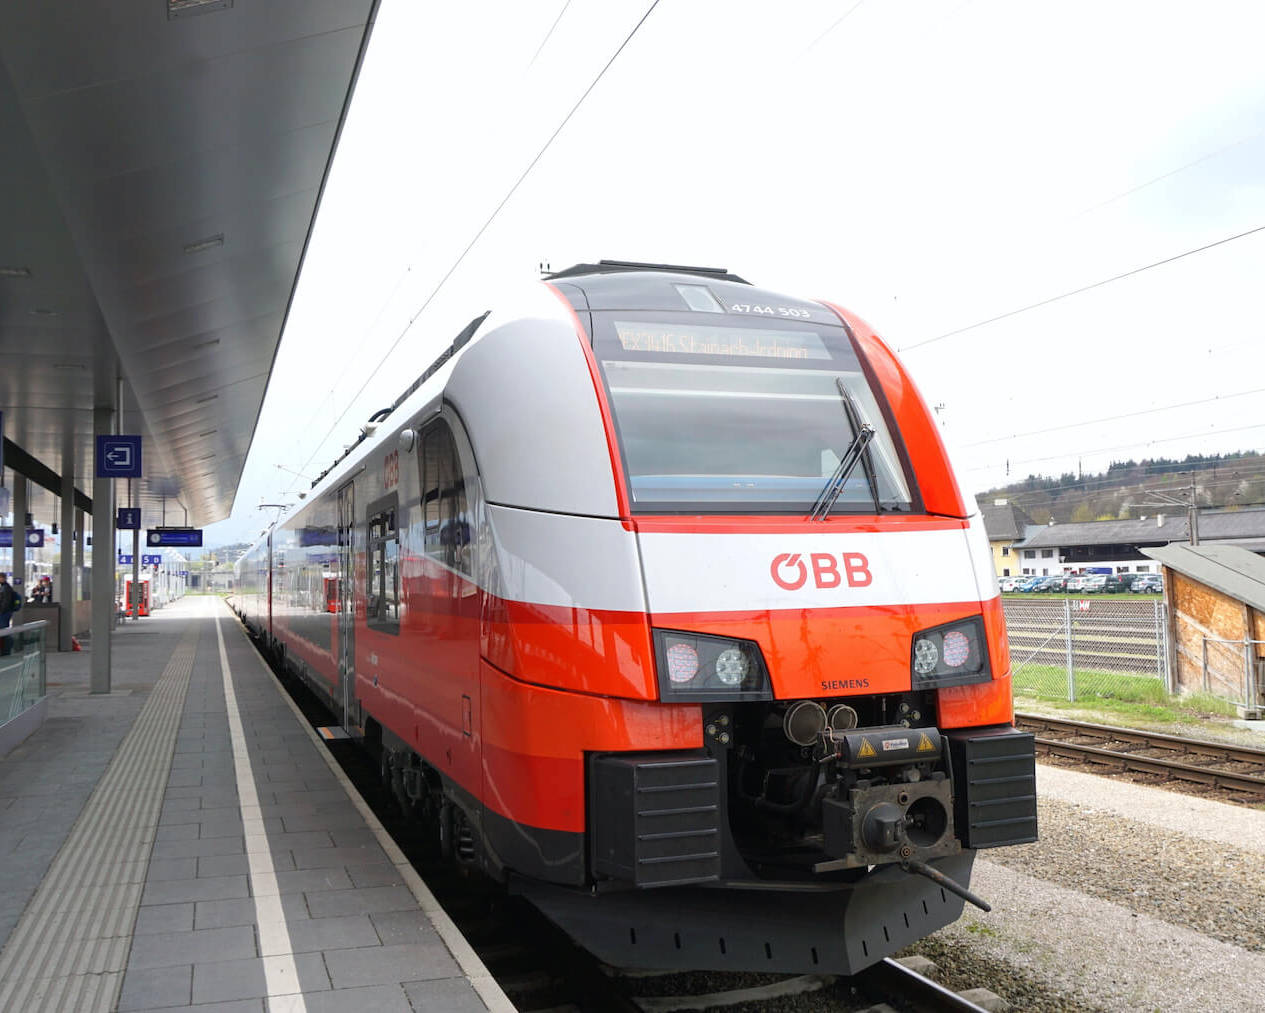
pixel 700 339
pixel 179 537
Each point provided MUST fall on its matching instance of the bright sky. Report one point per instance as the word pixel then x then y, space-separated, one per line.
pixel 931 165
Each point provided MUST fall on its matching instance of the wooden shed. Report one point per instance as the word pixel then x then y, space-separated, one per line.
pixel 1215 596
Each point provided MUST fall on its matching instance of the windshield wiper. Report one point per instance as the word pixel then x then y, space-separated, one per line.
pixel 858 451
pixel 867 458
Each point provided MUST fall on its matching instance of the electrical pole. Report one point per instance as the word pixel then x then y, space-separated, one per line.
pixel 1192 515
pixel 1191 504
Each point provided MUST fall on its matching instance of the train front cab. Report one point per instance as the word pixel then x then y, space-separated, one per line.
pixel 833 725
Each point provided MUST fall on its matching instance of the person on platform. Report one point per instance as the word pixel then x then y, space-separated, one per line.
pixel 10 602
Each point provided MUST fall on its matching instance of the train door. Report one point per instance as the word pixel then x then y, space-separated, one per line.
pixel 268 588
pixel 346 603
pixel 447 611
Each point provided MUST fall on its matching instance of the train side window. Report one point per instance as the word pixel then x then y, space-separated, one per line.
pixel 444 512
pixel 383 570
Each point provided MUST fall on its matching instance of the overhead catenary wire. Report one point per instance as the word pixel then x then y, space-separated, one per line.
pixel 484 227
pixel 1078 291
pixel 1167 175
pixel 1115 418
pixel 1076 497
pixel 1102 483
pixel 844 17
pixel 549 34
pixel 1125 446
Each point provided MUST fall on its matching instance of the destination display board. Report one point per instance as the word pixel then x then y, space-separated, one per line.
pixel 34 538
pixel 174 537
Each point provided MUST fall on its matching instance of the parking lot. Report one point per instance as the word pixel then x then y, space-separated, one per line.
pixel 1084 583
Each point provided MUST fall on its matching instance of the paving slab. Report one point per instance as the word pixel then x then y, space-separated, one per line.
pixel 247 869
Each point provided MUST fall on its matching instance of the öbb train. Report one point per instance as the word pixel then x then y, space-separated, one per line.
pixel 658 595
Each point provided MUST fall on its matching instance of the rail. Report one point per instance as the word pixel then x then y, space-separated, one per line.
pixel 892 978
pixel 1201 773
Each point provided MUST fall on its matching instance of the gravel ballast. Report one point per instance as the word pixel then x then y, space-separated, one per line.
pixel 1134 899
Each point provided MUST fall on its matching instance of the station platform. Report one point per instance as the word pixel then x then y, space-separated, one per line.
pixel 186 842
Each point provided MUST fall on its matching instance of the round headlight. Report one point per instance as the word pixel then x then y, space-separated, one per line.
pixel 732 666
pixel 682 663
pixel 926 655
pixel 957 648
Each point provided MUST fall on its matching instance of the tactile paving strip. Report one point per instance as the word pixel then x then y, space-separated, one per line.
pixel 70 948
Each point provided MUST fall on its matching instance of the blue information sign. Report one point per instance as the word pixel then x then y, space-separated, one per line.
pixel 125 559
pixel 34 538
pixel 174 536
pixel 118 457
pixel 129 519
pixel 151 560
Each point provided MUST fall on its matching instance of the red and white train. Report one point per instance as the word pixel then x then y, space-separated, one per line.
pixel 658 594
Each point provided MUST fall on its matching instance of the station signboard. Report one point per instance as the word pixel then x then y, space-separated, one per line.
pixel 34 538
pixel 129 519
pixel 154 560
pixel 125 559
pixel 177 537
pixel 118 457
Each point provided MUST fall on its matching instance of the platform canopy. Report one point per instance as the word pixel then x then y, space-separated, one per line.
pixel 161 165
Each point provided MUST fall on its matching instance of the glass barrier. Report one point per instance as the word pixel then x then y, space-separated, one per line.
pixel 22 668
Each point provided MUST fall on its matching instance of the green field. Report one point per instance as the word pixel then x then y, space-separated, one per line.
pixel 1142 698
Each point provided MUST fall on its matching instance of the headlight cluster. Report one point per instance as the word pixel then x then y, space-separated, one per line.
pixel 954 654
pixel 698 666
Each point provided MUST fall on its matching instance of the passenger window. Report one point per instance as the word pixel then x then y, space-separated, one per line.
pixel 383 570
pixel 445 517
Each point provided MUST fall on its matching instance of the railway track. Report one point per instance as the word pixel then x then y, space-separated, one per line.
pixel 1215 764
pixel 890 984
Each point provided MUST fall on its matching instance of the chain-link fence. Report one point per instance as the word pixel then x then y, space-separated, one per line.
pixel 1072 649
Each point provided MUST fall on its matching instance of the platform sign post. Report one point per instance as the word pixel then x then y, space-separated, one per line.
pixel 128 519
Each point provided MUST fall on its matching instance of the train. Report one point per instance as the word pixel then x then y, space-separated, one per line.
pixel 658 601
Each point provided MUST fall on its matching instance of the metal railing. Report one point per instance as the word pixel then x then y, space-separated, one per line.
pixel 1074 649
pixel 23 668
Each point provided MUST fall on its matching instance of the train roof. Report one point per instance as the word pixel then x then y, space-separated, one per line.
pixel 624 266
pixel 620 285
pixel 627 285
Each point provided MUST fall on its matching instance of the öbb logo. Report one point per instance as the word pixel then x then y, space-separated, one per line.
pixel 790 572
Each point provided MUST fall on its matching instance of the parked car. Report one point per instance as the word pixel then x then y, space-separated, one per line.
pixel 1103 583
pixel 1149 583
pixel 1076 582
pixel 1056 584
pixel 1008 583
pixel 1029 584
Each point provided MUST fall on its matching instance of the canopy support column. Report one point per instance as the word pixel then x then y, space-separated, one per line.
pixel 102 562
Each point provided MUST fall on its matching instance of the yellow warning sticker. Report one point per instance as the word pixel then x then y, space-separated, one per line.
pixel 866 749
pixel 925 745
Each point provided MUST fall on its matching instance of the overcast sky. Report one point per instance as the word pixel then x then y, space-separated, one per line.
pixel 930 165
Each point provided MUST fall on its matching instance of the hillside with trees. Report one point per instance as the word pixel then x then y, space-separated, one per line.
pixel 1131 489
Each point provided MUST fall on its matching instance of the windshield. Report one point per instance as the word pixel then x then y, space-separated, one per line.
pixel 741 417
